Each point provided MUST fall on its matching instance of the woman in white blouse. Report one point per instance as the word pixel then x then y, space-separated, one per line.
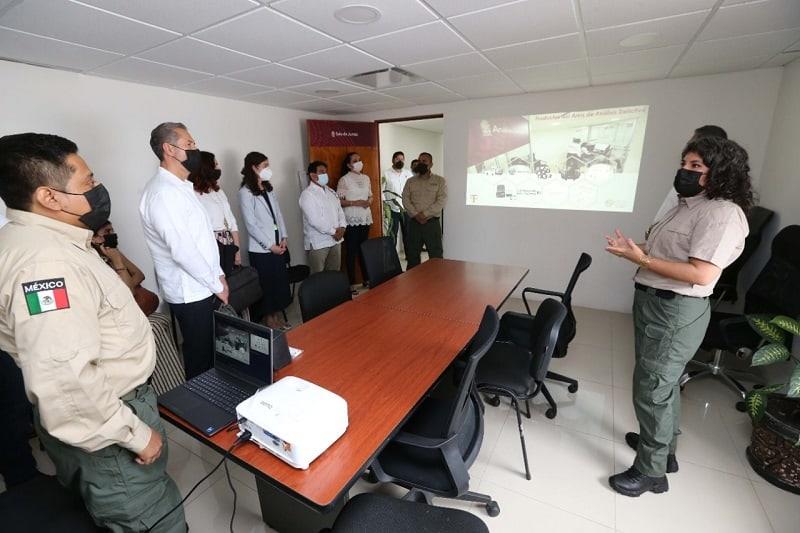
pixel 355 192
pixel 206 187
pixel 268 242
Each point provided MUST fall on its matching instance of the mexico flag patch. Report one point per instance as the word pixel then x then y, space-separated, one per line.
pixel 46 295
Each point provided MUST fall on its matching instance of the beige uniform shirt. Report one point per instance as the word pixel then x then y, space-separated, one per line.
pixel 426 195
pixel 709 230
pixel 73 327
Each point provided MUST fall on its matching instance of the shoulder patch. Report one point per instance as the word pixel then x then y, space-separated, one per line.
pixel 45 295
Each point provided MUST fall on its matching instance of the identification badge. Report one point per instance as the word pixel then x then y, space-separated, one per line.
pixel 45 295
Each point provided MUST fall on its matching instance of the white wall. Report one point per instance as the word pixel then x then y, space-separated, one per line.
pixel 549 241
pixel 410 141
pixel 780 183
pixel 111 122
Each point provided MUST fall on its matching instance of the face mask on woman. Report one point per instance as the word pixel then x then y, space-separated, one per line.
pixel 358 165
pixel 322 179
pixel 265 174
pixel 687 182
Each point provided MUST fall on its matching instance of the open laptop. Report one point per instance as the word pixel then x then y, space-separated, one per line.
pixel 242 364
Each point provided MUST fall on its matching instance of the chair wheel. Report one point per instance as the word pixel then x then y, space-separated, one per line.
pixel 573 388
pixel 550 413
pixel 494 401
pixel 741 407
pixel 492 508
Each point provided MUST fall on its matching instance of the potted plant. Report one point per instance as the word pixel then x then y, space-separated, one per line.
pixel 774 451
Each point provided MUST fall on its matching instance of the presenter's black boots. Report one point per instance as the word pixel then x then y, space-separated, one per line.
pixel 634 483
pixel 632 439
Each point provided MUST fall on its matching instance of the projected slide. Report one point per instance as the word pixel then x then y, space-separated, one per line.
pixel 585 160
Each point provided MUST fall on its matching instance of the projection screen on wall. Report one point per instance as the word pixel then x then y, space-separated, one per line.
pixel 585 160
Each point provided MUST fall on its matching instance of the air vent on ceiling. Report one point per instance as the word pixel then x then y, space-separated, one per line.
pixel 386 78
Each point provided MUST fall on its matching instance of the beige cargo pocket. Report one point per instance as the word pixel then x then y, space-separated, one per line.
pixel 119 301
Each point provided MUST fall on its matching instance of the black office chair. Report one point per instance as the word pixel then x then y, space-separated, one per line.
pixel 323 291
pixel 518 372
pixel 726 288
pixel 380 260
pixel 368 513
pixel 42 504
pixel 517 327
pixel 434 449
pixel 776 291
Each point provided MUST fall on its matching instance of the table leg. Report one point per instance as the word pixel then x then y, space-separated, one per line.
pixel 287 515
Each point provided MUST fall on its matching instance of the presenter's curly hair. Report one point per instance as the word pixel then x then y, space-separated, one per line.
pixel 728 170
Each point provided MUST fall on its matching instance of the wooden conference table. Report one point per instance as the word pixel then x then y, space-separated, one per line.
pixel 380 352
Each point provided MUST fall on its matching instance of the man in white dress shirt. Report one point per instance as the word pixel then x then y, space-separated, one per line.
pixel 671 201
pixel 181 242
pixel 323 221
pixel 395 180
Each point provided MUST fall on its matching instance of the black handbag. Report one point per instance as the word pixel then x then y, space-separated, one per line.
pixel 244 288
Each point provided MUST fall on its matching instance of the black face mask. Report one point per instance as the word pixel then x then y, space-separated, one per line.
pixel 216 174
pixel 398 165
pixel 421 169
pixel 687 182
pixel 192 161
pixel 110 240
pixel 99 204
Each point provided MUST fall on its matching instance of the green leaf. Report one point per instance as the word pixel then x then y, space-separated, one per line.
pixel 771 353
pixel 794 384
pixel 756 404
pixel 763 326
pixel 771 388
pixel 789 324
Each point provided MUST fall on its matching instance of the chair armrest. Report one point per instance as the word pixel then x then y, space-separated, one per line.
pixel 534 290
pixel 421 442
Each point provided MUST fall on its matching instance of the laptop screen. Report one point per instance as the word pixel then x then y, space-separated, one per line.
pixel 243 348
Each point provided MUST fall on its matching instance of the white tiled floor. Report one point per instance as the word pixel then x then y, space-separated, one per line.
pixel 571 458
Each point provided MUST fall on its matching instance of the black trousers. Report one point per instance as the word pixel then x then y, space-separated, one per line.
pixel 400 223
pixel 17 464
pixel 353 237
pixel 196 321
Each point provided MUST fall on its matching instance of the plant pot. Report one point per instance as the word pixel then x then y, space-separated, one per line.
pixel 774 451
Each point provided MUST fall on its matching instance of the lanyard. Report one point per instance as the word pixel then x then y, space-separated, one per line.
pixel 265 196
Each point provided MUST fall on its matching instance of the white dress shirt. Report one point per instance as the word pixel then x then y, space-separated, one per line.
pixel 218 210
pixel 322 215
pixel 394 182
pixel 354 187
pixel 180 238
pixel 259 222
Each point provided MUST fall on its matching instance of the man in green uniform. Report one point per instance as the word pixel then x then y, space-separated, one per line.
pixel 424 196
pixel 84 347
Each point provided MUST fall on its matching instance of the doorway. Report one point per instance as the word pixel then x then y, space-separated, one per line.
pixel 411 136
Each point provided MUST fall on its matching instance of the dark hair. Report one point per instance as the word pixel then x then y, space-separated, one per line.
pixel 32 160
pixel 250 179
pixel 102 226
pixel 728 170
pixel 397 153
pixel 710 130
pixel 164 133
pixel 204 178
pixel 345 162
pixel 425 153
pixel 414 163
pixel 314 165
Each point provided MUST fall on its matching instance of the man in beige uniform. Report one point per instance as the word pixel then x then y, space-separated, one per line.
pixel 84 347
pixel 424 196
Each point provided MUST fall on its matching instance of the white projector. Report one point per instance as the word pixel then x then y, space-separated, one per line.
pixel 294 419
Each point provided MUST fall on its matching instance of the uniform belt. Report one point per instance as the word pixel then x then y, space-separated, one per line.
pixel 663 293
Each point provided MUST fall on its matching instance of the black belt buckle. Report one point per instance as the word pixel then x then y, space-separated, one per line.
pixel 660 293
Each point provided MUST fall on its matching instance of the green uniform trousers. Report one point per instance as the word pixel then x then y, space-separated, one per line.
pixel 119 493
pixel 668 333
pixel 430 234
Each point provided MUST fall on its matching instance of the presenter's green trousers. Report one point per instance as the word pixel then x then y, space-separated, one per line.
pixel 668 332
pixel 429 234
pixel 119 493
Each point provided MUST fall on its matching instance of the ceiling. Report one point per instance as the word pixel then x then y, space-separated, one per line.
pixel 434 125
pixel 284 52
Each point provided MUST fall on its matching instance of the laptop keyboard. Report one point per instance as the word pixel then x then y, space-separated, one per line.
pixel 221 393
